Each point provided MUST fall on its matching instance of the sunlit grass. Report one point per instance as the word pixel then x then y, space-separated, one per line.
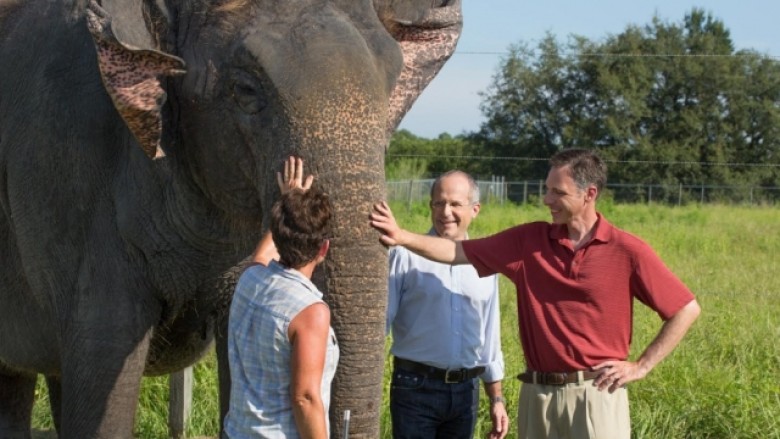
pixel 723 381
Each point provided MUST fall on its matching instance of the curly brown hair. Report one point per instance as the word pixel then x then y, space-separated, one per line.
pixel 300 223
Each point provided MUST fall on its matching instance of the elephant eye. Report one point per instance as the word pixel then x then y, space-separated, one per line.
pixel 250 97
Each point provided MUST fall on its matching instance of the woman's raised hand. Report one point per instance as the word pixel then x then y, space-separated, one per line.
pixel 293 176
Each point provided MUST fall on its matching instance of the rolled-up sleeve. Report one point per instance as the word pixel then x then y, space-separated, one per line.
pixel 494 370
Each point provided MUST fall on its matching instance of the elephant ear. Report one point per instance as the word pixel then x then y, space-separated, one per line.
pixel 130 70
pixel 427 36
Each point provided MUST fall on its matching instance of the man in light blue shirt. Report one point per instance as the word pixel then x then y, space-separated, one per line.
pixel 445 326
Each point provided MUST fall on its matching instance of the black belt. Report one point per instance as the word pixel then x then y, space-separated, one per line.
pixel 449 376
pixel 555 378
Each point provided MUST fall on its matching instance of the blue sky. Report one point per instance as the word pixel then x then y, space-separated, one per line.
pixel 451 102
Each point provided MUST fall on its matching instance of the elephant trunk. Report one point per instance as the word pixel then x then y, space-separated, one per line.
pixel 355 288
pixel 342 138
pixel 354 276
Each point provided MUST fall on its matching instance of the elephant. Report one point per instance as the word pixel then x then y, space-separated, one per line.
pixel 139 141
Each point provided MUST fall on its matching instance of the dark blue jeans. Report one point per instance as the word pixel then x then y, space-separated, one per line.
pixel 427 408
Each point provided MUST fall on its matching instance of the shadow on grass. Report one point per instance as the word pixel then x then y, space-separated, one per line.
pixel 51 434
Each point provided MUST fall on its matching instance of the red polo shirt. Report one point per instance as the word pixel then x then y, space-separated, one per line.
pixel 575 308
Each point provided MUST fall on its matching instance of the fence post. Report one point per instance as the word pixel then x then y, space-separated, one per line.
pixel 679 195
pixel 649 193
pixel 180 402
pixel 702 193
pixel 503 189
pixel 409 196
pixel 497 189
pixel 541 183
pixel 525 191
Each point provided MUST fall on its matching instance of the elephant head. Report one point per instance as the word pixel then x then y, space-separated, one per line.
pixel 139 141
pixel 218 93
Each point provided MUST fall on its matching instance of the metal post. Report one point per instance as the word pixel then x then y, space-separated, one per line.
pixel 525 191
pixel 409 196
pixel 679 195
pixel 503 189
pixel 346 424
pixel 541 183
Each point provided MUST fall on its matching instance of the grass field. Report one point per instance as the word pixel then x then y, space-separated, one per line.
pixel 723 381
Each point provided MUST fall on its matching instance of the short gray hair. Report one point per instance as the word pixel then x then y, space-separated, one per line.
pixel 473 187
pixel 585 165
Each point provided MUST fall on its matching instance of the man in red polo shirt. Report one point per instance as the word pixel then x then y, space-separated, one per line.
pixel 576 279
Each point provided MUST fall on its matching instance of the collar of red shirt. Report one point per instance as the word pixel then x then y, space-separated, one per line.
pixel 602 230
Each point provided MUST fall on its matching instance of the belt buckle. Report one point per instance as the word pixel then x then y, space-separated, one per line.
pixel 553 378
pixel 460 373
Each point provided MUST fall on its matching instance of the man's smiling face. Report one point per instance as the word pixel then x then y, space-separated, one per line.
pixel 565 200
pixel 452 208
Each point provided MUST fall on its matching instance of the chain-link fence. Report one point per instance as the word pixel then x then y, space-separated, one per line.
pixel 532 191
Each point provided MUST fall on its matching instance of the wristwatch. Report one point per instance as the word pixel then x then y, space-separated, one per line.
pixel 497 399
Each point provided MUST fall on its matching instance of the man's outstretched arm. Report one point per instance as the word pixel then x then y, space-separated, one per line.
pixel 431 247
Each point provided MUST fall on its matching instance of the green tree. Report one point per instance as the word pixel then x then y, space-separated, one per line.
pixel 526 108
pixel 410 156
pixel 755 117
pixel 407 156
pixel 667 103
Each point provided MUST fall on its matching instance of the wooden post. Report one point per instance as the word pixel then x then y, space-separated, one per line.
pixel 180 402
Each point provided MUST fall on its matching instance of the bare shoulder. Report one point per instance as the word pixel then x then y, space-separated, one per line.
pixel 315 317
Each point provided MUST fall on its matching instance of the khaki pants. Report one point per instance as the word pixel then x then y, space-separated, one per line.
pixel 572 411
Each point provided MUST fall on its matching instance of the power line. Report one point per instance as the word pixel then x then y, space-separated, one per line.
pixel 669 55
pixel 633 162
pixel 634 55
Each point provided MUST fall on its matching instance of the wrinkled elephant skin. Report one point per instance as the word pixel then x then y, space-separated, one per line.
pixel 139 141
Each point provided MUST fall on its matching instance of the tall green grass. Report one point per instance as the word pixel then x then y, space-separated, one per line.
pixel 723 381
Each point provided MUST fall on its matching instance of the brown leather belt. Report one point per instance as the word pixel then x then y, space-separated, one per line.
pixel 449 376
pixel 555 378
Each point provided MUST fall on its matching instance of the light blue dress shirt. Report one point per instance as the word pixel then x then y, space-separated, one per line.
pixel 443 315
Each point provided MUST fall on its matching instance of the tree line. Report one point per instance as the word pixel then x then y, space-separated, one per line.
pixel 664 103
